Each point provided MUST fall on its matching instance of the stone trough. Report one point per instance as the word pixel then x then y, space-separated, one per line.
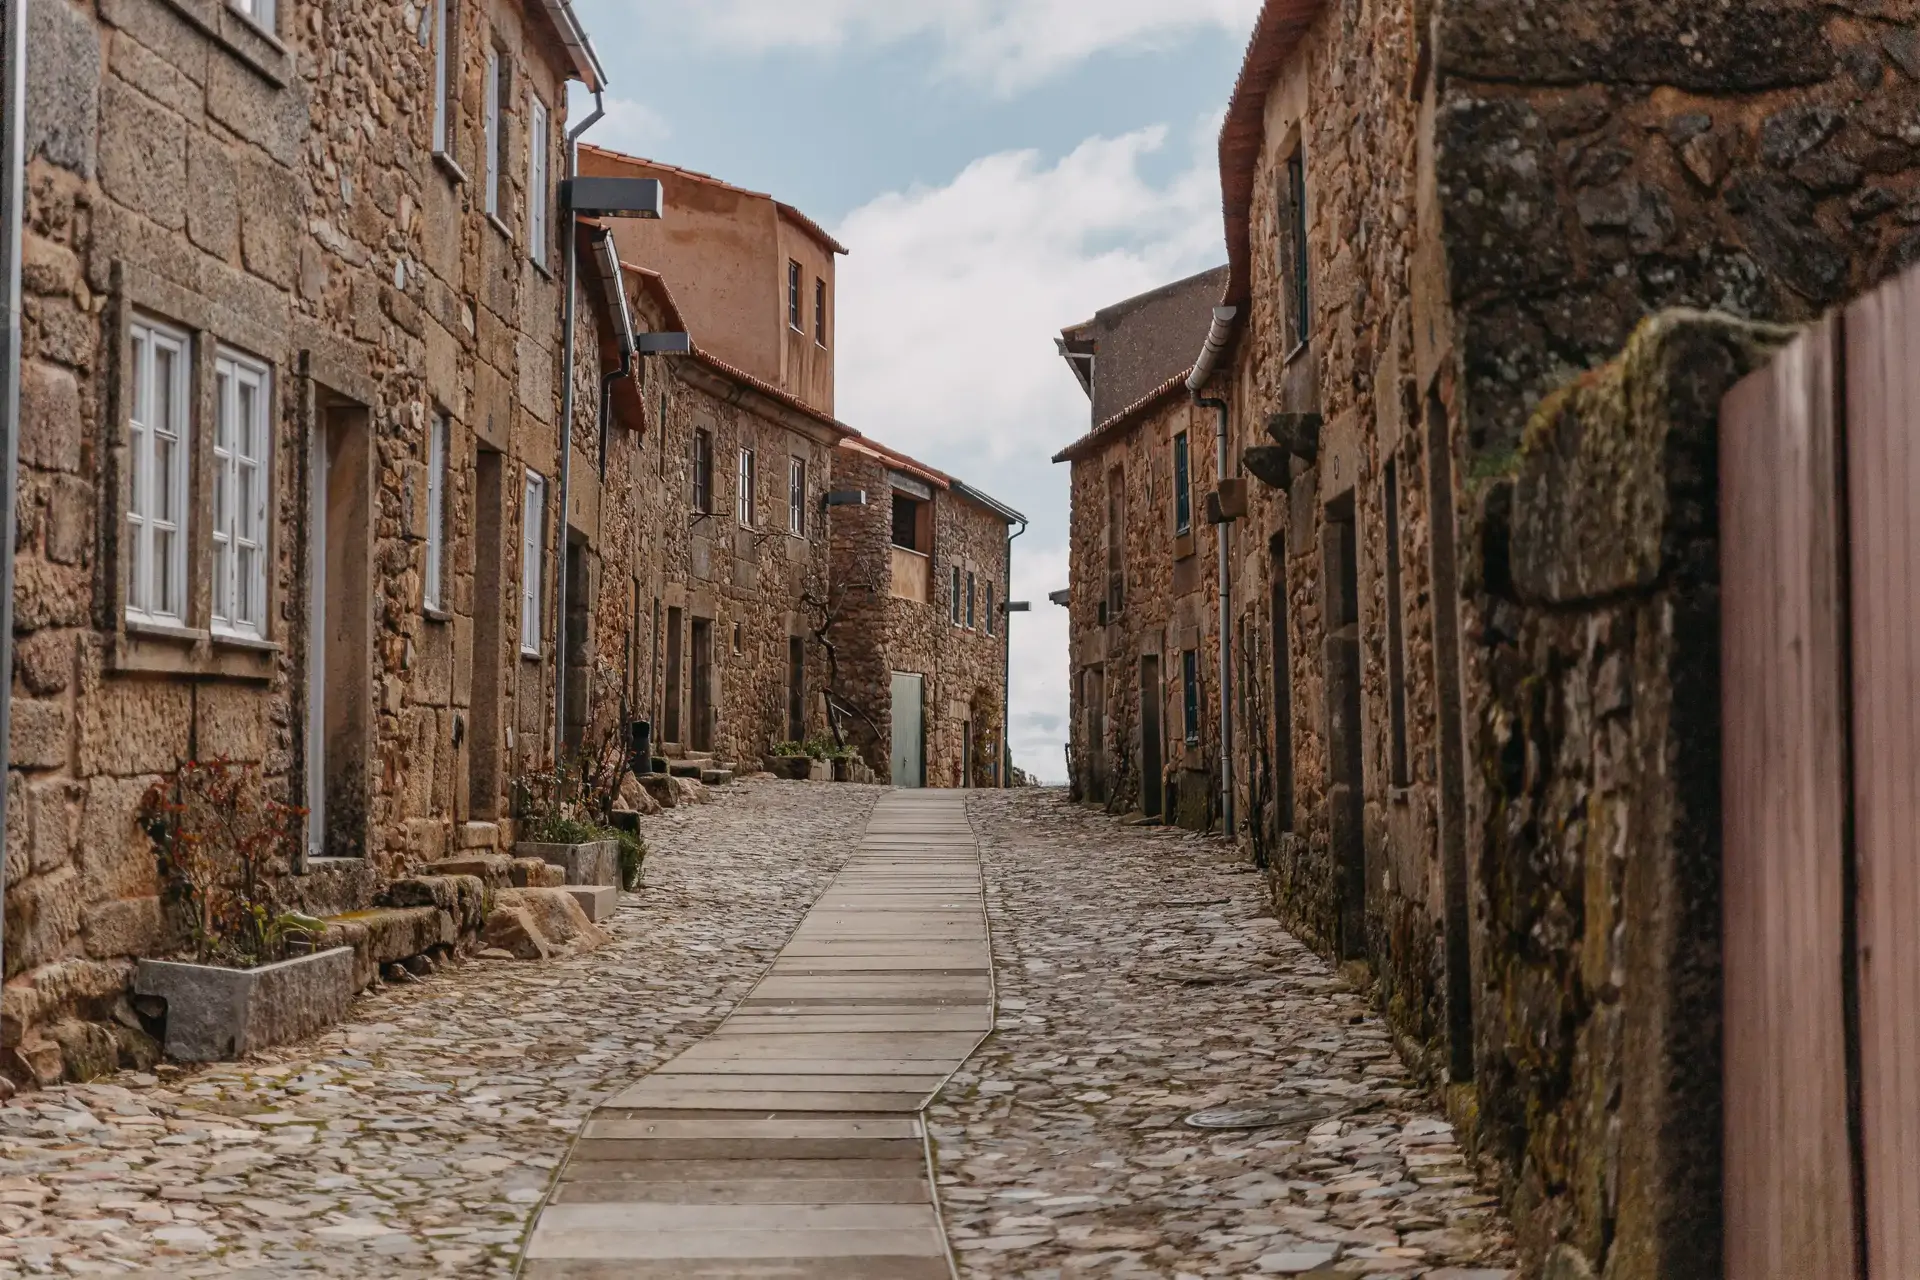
pixel 216 1014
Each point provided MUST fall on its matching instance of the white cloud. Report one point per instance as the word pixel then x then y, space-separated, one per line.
pixel 1009 44
pixel 948 310
pixel 629 126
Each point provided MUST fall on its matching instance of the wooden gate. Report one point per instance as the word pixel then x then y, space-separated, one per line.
pixel 1820 563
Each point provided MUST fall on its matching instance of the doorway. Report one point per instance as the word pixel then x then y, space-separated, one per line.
pixel 1346 797
pixel 576 645
pixel 676 642
pixel 340 635
pixel 908 758
pixel 1152 745
pixel 796 689
pixel 966 753
pixel 1282 650
pixel 487 739
pixel 702 684
pixel 1093 689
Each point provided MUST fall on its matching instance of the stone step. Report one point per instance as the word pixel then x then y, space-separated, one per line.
pixel 537 873
pixel 478 835
pixel 495 870
pixel 686 768
pixel 598 900
pixel 716 777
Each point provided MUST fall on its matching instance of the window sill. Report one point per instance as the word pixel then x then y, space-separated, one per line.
pixel 541 267
pixel 451 167
pixel 247 41
pixel 147 648
pixel 1401 795
pixel 501 226
pixel 530 655
pixel 318 866
pixel 431 614
pixel 1298 351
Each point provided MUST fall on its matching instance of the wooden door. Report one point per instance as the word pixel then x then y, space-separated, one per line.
pixel 702 710
pixel 908 757
pixel 1153 767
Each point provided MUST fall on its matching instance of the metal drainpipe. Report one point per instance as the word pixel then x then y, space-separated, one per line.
pixel 566 441
pixel 1223 536
pixel 13 82
pixel 1005 769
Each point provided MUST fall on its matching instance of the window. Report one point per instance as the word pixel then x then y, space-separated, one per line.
pixel 739 638
pixel 1182 486
pixel 496 140
pixel 533 520
pixel 537 195
pixel 1190 694
pixel 1116 541
pixel 907 523
pixel 745 506
pixel 702 471
pixel 989 608
pixel 793 295
pixel 970 613
pixel 1295 271
pixel 242 449
pixel 445 75
pixel 820 312
pixel 797 497
pixel 953 596
pixel 438 432
pixel 1398 767
pixel 158 447
pixel 260 11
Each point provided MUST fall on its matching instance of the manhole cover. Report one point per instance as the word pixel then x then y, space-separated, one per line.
pixel 1267 1115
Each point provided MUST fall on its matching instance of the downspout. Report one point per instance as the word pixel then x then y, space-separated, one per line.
pixel 1006 669
pixel 1219 335
pixel 13 83
pixel 566 437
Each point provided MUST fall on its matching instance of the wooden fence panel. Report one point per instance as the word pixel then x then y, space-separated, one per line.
pixel 1789 1186
pixel 1883 481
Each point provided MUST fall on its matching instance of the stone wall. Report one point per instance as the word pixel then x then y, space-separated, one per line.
pixel 1599 1043
pixel 1169 605
pixel 281 199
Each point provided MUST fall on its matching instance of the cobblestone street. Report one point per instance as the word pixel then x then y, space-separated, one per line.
pixel 417 1139
pixel 1139 981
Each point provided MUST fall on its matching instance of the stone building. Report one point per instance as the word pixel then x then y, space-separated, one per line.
pixel 721 657
pixel 1143 611
pixel 917 619
pixel 290 434
pixel 1437 212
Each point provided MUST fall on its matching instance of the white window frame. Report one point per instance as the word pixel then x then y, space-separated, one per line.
pixel 797 497
pixel 745 501
pixel 537 195
pixel 240 528
pixel 533 519
pixel 491 160
pixel 259 12
pixel 443 79
pixel 439 433
pixel 144 527
pixel 795 277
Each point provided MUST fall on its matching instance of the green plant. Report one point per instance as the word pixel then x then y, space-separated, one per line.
pixel 633 859
pixel 222 840
pixel 791 749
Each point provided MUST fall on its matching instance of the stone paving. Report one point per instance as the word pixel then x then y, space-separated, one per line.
pixel 416 1140
pixel 1140 980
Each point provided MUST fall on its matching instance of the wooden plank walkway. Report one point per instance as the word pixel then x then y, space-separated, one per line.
pixel 789 1143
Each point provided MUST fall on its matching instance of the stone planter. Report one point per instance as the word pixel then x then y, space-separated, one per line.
pixel 585 864
pixel 820 770
pixel 793 768
pixel 218 1015
pixel 843 771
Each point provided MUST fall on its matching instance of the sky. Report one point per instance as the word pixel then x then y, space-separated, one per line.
pixel 1000 169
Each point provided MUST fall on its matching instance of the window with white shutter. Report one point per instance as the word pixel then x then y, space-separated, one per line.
pixel 159 449
pixel 744 502
pixel 491 160
pixel 437 432
pixel 797 497
pixel 537 196
pixel 242 476
pixel 532 538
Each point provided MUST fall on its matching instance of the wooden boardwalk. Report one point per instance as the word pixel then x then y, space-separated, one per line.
pixel 789 1143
